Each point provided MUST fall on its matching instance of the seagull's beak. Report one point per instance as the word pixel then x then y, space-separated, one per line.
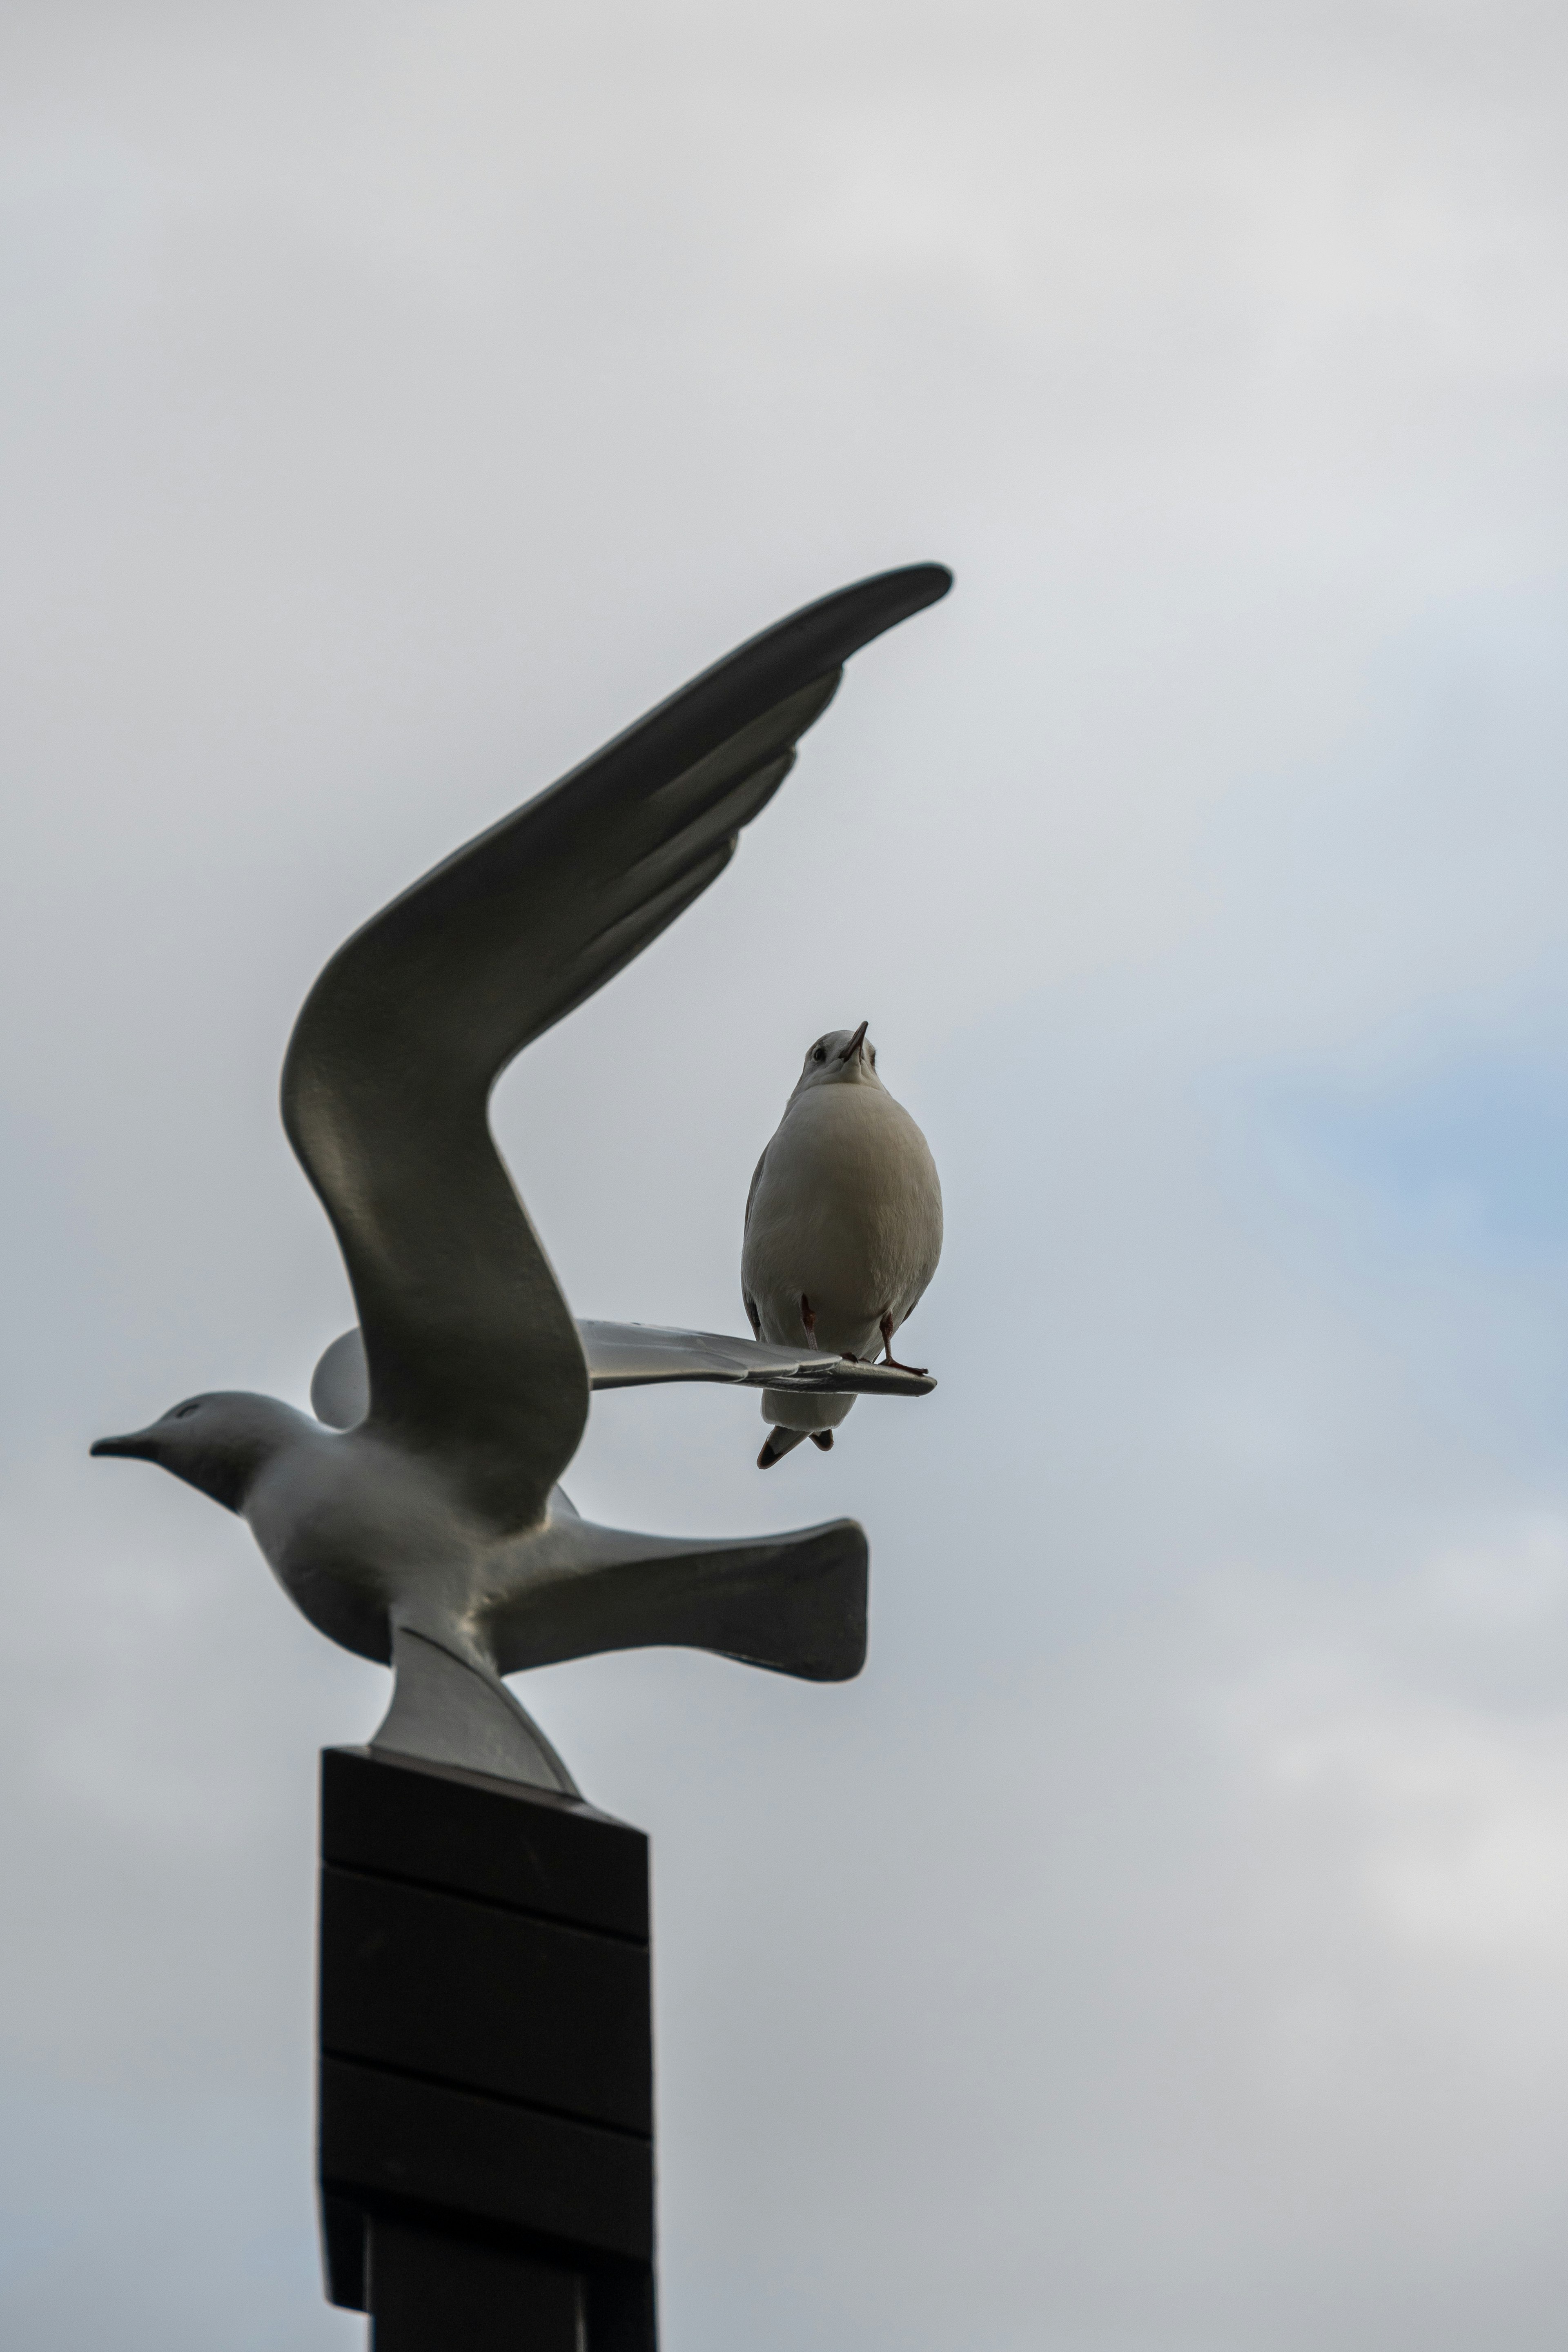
pixel 852 1050
pixel 142 1446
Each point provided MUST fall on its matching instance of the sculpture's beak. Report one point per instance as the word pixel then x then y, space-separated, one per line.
pixel 142 1446
pixel 852 1050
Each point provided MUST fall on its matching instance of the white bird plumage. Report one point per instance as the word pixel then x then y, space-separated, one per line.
pixel 843 1228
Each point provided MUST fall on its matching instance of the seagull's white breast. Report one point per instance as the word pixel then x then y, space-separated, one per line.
pixel 847 1210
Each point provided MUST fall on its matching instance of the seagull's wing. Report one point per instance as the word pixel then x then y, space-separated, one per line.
pixel 747 1301
pixel 751 1191
pixel 643 1355
pixel 471 1348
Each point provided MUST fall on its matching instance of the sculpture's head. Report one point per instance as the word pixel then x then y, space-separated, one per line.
pixel 215 1443
pixel 841 1058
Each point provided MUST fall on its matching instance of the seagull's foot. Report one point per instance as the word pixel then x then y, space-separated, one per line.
pixel 780 1442
pixel 889 1358
pixel 823 1440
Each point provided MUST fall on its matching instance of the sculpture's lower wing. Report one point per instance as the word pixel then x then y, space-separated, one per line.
pixel 796 1603
pixel 471 1349
pixel 641 1355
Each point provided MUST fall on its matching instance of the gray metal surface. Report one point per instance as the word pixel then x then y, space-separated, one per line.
pixel 638 1355
pixel 430 1530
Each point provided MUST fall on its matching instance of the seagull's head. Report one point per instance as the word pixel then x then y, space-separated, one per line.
pixel 218 1443
pixel 841 1058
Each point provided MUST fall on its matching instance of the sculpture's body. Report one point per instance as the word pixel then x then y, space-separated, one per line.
pixel 427 1527
pixel 843 1229
pixel 386 1552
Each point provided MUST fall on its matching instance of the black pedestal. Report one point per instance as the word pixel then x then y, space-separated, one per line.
pixel 486 2095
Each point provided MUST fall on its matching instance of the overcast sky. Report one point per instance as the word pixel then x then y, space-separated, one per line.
pixel 1163 1947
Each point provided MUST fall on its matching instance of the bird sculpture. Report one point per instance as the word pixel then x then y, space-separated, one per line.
pixel 843 1232
pixel 417 1519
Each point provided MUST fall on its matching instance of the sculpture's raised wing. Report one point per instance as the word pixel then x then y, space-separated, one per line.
pixel 639 1355
pixel 471 1348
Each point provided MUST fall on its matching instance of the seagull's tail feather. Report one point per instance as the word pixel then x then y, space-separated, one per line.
pixel 796 1603
pixel 777 1444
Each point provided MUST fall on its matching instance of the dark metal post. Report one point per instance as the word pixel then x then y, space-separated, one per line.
pixel 485 2089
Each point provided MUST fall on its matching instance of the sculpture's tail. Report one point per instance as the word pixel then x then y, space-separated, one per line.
pixel 447 1709
pixel 796 1603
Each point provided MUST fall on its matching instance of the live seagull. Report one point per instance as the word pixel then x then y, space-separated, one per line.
pixel 843 1230
pixel 426 1529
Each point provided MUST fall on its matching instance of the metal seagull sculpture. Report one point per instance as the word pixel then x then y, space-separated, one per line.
pixel 417 1520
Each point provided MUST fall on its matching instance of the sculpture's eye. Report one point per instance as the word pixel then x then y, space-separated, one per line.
pixel 184 1412
pixel 819 1053
pixel 873 1054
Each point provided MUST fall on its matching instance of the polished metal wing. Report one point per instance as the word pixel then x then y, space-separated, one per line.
pixel 641 1355
pixel 470 1347
pixel 634 1355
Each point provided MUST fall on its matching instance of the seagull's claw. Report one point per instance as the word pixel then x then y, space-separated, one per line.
pixel 891 1360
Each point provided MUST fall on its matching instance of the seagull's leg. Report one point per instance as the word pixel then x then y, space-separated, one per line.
pixel 808 1317
pixel 887 1327
pixel 823 1439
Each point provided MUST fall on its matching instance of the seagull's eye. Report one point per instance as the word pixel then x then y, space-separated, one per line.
pixel 184 1412
pixel 819 1053
pixel 873 1054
